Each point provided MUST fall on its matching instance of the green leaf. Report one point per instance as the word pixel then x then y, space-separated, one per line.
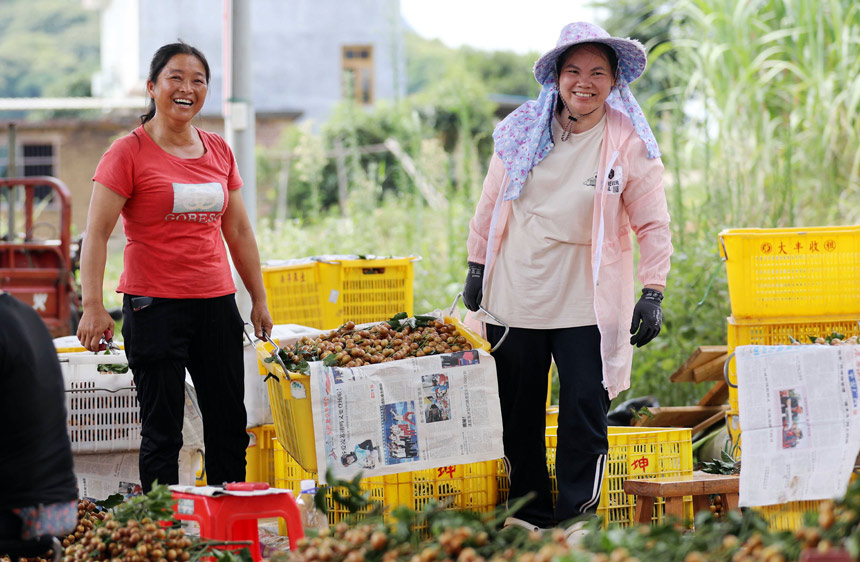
pixel 111 501
pixel 330 359
pixel 394 321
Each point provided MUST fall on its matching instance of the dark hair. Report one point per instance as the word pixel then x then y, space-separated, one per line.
pixel 160 59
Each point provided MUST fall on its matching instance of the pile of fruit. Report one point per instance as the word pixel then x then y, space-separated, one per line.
pixel 833 339
pixel 131 532
pixel 397 338
pixel 131 541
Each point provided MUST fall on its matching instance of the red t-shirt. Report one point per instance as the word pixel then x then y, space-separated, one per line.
pixel 172 219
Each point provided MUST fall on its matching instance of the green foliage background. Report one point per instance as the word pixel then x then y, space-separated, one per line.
pixel 756 107
pixel 756 104
pixel 47 48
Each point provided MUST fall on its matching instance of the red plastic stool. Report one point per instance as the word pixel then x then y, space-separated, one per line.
pixel 231 517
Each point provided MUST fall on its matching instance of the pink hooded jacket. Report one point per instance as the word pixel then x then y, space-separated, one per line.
pixel 629 196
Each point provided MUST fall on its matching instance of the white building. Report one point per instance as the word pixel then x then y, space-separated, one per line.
pixel 308 54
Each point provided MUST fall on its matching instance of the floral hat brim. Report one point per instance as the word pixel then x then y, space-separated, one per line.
pixel 631 53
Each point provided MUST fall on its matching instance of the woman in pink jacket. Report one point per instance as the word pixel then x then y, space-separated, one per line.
pixel 550 254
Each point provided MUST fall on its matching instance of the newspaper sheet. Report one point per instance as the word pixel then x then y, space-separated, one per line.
pixel 101 475
pixel 412 414
pixel 800 426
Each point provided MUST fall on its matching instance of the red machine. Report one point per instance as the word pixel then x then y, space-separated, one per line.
pixel 35 269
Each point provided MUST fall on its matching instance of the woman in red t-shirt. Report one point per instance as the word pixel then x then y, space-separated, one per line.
pixel 177 189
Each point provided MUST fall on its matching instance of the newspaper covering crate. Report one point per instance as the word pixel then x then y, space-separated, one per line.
pixel 260 454
pixel 325 292
pixel 469 486
pixel 102 414
pixel 634 452
pixel 787 272
pixel 289 398
pixel 781 332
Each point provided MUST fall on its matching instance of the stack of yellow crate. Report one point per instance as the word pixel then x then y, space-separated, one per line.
pixel 787 285
pixel 634 452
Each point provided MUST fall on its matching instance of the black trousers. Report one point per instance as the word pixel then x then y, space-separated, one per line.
pixel 204 336
pixel 522 363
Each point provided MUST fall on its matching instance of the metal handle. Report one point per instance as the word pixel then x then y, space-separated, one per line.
pixel 247 335
pixel 726 370
pixel 277 355
pixel 488 313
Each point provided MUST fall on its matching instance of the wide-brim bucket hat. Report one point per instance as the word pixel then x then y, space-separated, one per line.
pixel 632 57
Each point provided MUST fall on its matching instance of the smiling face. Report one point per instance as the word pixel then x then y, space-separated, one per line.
pixel 585 81
pixel 180 90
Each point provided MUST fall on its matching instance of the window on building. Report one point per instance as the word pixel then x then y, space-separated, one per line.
pixel 358 73
pixel 31 159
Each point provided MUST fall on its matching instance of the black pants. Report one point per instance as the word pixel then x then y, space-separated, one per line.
pixel 161 342
pixel 522 363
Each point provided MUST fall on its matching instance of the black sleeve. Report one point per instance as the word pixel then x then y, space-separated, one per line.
pixel 35 454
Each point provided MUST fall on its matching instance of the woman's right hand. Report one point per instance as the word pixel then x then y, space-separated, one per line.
pixel 95 321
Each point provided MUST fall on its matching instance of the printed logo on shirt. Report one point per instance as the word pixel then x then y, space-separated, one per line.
pixel 591 182
pixel 616 180
pixel 197 202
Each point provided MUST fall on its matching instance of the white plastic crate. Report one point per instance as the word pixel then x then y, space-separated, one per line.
pixel 102 413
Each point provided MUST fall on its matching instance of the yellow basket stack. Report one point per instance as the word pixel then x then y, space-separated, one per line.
pixel 468 486
pixel 324 293
pixel 260 454
pixel 634 452
pixel 785 285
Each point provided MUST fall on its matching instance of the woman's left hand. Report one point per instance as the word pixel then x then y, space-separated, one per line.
pixel 647 317
pixel 261 319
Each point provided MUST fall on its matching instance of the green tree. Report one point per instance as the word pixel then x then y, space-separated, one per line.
pixel 47 48
pixel 429 62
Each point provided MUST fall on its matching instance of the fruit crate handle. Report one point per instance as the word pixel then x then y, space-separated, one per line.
pixel 726 370
pixel 488 313
pixel 412 259
pixel 723 246
pixel 101 389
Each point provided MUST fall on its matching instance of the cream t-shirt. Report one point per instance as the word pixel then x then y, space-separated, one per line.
pixel 542 274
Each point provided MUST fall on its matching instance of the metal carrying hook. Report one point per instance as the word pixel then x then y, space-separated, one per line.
pixel 277 356
pixel 488 313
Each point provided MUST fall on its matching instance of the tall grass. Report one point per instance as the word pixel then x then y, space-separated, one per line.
pixel 756 104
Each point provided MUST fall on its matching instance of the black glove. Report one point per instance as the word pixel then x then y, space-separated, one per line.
pixel 647 317
pixel 473 291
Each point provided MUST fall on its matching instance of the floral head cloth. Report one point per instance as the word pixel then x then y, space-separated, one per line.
pixel 523 137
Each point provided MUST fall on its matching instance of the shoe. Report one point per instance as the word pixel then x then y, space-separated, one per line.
pixel 575 533
pixel 514 522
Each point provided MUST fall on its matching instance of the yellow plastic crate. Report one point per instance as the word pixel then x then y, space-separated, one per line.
pixel 780 332
pixel 785 272
pixel 788 516
pixel 634 452
pixel 324 294
pixel 460 487
pixel 291 404
pixel 260 455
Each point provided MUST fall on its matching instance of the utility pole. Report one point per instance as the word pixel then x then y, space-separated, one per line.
pixel 239 116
